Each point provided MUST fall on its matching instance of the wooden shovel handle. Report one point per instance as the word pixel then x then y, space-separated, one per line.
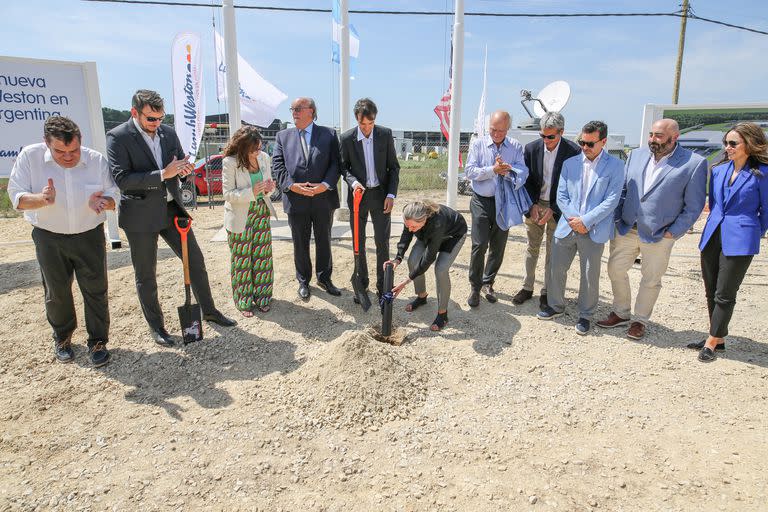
pixel 184 250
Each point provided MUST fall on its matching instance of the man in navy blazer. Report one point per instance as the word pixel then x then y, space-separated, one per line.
pixel 663 196
pixel 588 193
pixel 305 164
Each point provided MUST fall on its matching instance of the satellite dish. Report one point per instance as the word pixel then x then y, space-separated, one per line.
pixel 554 96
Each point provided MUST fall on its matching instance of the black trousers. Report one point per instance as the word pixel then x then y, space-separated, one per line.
pixel 486 236
pixel 144 258
pixel 723 276
pixel 373 204
pixel 319 220
pixel 83 256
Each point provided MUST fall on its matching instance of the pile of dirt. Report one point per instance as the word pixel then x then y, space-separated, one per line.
pixel 356 382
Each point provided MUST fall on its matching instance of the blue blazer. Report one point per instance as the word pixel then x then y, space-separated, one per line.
pixel 674 201
pixel 602 197
pixel 289 166
pixel 740 210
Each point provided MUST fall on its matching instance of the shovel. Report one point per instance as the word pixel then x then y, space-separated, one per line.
pixel 189 314
pixel 357 280
pixel 386 300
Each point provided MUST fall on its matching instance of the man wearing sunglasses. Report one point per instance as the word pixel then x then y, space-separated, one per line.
pixel 544 158
pixel 146 160
pixel 588 194
pixel 663 196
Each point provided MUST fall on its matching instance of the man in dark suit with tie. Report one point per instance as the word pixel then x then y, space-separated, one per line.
pixel 146 161
pixel 369 162
pixel 544 158
pixel 305 164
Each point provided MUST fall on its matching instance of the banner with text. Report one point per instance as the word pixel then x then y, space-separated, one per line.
pixel 188 98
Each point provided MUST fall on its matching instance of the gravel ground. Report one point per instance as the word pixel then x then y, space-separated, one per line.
pixel 301 408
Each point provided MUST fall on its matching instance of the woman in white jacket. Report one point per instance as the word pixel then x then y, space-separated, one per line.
pixel 246 184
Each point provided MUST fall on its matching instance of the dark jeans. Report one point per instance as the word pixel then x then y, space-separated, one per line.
pixel 722 277
pixel 83 256
pixel 486 236
pixel 373 204
pixel 144 258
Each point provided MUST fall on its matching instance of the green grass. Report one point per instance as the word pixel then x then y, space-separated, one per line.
pixel 424 174
pixel 6 209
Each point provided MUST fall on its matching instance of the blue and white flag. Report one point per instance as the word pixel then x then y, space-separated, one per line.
pixel 354 40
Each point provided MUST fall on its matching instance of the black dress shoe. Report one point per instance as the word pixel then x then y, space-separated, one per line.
pixel 522 296
pixel 707 355
pixel 474 299
pixel 303 292
pixel 329 287
pixel 161 337
pixel 99 354
pixel 63 350
pixel 698 345
pixel 217 317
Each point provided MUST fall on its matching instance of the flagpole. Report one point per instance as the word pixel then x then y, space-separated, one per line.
pixel 230 60
pixel 343 212
pixel 455 115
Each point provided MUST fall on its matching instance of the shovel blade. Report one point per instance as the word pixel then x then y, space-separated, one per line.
pixel 360 291
pixel 191 323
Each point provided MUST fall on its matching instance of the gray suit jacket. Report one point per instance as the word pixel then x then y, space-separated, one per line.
pixel 673 202
pixel 144 206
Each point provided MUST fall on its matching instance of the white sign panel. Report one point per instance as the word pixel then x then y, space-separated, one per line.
pixel 32 90
pixel 188 97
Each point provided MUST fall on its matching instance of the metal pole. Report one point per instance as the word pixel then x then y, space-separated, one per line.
pixel 344 124
pixel 230 60
pixel 455 133
pixel 680 48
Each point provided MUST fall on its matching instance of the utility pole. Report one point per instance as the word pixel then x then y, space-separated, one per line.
pixel 230 60
pixel 680 48
pixel 342 213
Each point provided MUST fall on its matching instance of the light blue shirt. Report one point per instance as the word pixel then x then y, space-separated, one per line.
pixel 307 138
pixel 482 158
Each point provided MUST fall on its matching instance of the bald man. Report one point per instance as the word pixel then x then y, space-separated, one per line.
pixel 490 156
pixel 663 196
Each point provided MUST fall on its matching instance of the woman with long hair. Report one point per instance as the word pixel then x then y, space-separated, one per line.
pixel 440 232
pixel 246 184
pixel 738 218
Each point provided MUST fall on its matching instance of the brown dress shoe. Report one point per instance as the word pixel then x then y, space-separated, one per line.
pixel 612 321
pixel 489 293
pixel 522 296
pixel 636 331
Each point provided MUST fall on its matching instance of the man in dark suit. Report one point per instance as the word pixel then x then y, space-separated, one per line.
pixel 544 158
pixel 305 164
pixel 369 162
pixel 146 161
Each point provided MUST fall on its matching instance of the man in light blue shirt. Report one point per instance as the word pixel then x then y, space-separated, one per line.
pixel 490 156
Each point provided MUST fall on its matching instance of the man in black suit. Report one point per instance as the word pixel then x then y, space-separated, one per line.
pixel 146 161
pixel 544 158
pixel 369 162
pixel 305 164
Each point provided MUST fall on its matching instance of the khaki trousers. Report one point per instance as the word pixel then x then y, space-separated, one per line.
pixel 655 260
pixel 535 234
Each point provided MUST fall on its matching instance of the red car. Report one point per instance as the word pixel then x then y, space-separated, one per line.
pixel 201 183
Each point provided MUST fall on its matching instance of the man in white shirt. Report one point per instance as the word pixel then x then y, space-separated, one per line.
pixel 64 189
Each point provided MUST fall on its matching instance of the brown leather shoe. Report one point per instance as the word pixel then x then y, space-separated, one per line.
pixel 489 293
pixel 612 321
pixel 522 296
pixel 636 331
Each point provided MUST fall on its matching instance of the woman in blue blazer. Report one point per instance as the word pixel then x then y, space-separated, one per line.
pixel 738 218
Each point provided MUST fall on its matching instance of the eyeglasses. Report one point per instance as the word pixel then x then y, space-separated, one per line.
pixel 731 143
pixel 549 137
pixel 583 143
pixel 296 109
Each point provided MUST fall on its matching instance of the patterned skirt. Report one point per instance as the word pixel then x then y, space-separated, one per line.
pixel 251 254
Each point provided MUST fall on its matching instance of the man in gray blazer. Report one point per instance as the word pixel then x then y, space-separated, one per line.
pixel 369 162
pixel 305 165
pixel 146 161
pixel 663 196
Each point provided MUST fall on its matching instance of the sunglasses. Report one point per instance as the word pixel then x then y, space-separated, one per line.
pixel 583 143
pixel 731 143
pixel 153 119
pixel 548 137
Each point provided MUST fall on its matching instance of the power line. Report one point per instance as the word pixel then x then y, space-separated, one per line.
pixel 677 14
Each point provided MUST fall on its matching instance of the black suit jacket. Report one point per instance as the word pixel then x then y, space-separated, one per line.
pixel 534 159
pixel 289 166
pixel 384 159
pixel 144 206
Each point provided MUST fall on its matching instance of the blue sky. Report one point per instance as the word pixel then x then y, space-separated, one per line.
pixel 614 65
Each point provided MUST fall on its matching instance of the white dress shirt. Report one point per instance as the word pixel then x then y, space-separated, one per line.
pixel 549 166
pixel 70 213
pixel 371 178
pixel 587 175
pixel 653 169
pixel 157 152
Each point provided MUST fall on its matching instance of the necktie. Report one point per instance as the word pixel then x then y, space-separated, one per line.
pixel 304 147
